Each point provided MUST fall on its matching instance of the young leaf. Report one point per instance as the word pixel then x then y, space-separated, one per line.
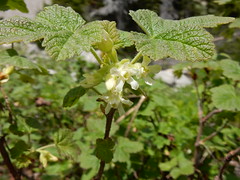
pixel 104 149
pixel 125 39
pixel 231 69
pixel 182 40
pixel 225 97
pixel 64 142
pixel 46 156
pixel 95 77
pixel 73 96
pixel 10 57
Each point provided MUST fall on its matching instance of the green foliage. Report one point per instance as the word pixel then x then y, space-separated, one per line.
pixel 65 144
pixel 124 148
pixel 73 96
pixel 235 24
pixel 178 166
pixel 11 57
pixel 18 149
pixel 226 97
pixel 157 137
pixel 13 4
pixel 231 69
pixel 182 40
pixel 104 149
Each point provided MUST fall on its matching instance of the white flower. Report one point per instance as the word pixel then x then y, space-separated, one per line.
pixel 115 100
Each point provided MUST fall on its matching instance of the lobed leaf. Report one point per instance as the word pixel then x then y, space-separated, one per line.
pixel 62 29
pixel 65 143
pixel 60 18
pixel 125 39
pixel 225 97
pixel 183 40
pixel 231 69
pixel 104 149
pixel 18 29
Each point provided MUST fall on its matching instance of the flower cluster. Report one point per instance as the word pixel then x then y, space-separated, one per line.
pixel 121 73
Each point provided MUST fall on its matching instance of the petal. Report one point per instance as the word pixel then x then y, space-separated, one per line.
pixel 110 83
pixel 119 86
pixel 149 80
pixel 134 84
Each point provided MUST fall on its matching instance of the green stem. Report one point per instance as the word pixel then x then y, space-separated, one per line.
pixel 96 91
pixel 47 146
pixel 96 55
pixel 137 57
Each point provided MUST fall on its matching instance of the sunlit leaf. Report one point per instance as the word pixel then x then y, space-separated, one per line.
pixel 181 40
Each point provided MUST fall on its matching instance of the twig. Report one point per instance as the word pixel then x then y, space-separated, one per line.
pixel 109 119
pixel 227 159
pixel 200 127
pixel 209 115
pixel 142 99
pixel 131 110
pixel 7 160
pixel 213 134
pixel 10 113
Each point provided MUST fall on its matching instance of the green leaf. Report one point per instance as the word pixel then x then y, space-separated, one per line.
pixel 222 2
pixel 67 35
pixel 225 97
pixel 231 69
pixel 175 172
pixel 104 149
pixel 185 165
pixel 65 143
pixel 95 77
pixel 207 21
pixel 18 29
pixel 235 24
pixel 167 166
pixel 126 39
pixel 18 149
pixel 10 57
pixel 125 147
pixel 73 96
pixel 13 4
pixel 112 31
pixel 182 40
pixel 63 30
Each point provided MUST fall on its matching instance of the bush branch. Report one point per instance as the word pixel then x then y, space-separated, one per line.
pixel 227 159
pixel 7 160
pixel 109 119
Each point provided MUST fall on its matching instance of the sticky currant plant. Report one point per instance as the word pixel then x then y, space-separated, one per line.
pixel 65 34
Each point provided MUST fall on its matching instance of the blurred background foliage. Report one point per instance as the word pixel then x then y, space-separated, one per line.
pixel 158 142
